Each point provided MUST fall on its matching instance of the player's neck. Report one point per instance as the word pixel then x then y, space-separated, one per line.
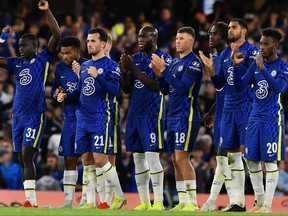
pixel 98 56
pixel 30 57
pixel 271 58
pixel 185 53
pixel 239 42
pixel 221 48
pixel 150 52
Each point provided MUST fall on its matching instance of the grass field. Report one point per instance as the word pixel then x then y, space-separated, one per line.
pixel 95 212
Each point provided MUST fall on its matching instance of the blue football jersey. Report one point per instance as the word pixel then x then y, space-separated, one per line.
pixel 65 77
pixel 267 104
pixel 220 93
pixel 235 99
pixel 115 109
pixel 95 101
pixel 145 102
pixel 31 76
pixel 184 77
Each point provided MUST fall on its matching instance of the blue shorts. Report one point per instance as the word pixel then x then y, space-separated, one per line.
pixel 144 134
pixel 94 135
pixel 265 141
pixel 182 134
pixel 233 129
pixel 67 142
pixel 28 130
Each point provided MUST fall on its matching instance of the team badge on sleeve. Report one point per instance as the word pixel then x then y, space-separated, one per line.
pixel 116 71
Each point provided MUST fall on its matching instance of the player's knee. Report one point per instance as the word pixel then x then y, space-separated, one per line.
pixel 271 166
pixel 139 158
pixel 112 159
pixel 87 159
pixel 140 162
pixel 180 161
pixel 222 165
pixel 222 152
pixel 71 163
pixel 236 160
pixel 154 162
pixel 27 155
pixel 253 166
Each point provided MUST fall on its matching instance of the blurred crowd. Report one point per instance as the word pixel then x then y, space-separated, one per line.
pixel 123 19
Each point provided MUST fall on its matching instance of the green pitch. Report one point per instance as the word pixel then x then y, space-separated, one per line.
pixel 63 212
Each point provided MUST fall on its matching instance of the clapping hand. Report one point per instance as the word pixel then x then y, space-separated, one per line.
pixel 236 57
pixel 158 65
pixel 76 68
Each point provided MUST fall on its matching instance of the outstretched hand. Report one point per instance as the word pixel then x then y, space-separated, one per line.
pixel 6 29
pixel 43 5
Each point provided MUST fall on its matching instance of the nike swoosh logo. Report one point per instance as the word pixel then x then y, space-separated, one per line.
pixel 138 64
pixel 18 66
pixel 225 60
pixel 62 77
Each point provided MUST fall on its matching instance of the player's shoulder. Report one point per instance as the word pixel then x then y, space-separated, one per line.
pixel 282 65
pixel 226 52
pixel 167 57
pixel 15 60
pixel 87 63
pixel 251 48
pixel 81 60
pixel 194 62
pixel 160 52
pixel 43 53
pixel 110 63
pixel 61 66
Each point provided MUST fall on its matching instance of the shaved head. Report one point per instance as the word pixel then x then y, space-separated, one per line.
pixel 147 39
pixel 151 31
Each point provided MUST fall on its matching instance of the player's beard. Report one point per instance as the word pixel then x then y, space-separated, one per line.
pixel 148 47
pixel 235 38
pixel 94 52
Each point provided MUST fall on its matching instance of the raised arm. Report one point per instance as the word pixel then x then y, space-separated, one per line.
pixel 54 27
pixel 3 37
